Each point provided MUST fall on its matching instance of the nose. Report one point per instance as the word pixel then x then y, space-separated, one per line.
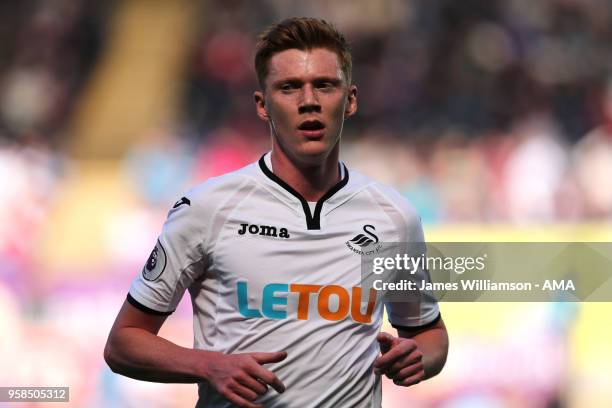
pixel 309 101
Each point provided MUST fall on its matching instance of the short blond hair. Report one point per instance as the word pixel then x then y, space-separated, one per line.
pixel 302 33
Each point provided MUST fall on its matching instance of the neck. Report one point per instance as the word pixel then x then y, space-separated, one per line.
pixel 311 180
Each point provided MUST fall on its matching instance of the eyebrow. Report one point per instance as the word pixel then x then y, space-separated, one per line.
pixel 333 80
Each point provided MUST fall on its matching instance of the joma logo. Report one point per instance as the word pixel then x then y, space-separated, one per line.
pixel 266 230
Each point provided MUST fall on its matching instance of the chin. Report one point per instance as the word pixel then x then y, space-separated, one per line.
pixel 314 152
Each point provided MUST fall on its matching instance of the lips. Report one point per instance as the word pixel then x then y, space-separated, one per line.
pixel 311 125
pixel 313 129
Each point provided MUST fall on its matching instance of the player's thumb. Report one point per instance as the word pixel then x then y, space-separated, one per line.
pixel 385 341
pixel 265 358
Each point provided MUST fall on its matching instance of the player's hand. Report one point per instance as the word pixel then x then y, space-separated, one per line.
pixel 241 378
pixel 400 360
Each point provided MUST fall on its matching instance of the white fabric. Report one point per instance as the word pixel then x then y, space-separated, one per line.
pixel 329 362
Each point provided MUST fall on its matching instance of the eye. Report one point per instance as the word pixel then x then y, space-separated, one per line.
pixel 326 85
pixel 288 87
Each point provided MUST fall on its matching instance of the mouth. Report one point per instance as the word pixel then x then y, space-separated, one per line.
pixel 312 128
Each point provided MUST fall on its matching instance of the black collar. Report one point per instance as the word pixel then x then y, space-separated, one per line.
pixel 313 221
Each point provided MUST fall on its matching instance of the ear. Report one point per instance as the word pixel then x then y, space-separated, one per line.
pixel 351 102
pixel 260 105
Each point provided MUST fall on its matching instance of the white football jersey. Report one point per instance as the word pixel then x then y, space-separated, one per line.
pixel 268 271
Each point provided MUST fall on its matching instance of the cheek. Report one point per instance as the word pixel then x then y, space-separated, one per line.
pixel 280 112
pixel 337 110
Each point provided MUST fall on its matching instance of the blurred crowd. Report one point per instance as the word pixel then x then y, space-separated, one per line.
pixel 47 50
pixel 478 111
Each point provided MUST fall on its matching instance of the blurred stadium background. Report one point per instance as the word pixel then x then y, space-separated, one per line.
pixel 493 117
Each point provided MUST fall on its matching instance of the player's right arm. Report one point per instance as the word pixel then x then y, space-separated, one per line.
pixel 135 350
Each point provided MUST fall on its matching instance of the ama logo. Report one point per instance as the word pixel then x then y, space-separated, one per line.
pixel 363 240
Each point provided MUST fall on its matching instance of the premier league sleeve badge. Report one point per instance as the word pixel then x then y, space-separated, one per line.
pixel 155 264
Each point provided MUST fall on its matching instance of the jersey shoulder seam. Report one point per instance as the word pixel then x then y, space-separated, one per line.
pixel 248 179
pixel 193 257
pixel 390 200
pixel 352 195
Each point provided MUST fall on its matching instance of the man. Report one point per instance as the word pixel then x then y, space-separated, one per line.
pixel 267 254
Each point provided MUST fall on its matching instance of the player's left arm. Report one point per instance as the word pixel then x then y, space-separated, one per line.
pixel 415 355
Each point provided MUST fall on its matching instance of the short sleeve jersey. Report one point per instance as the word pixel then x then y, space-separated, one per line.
pixel 268 271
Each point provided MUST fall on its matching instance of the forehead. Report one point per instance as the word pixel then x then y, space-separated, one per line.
pixel 306 64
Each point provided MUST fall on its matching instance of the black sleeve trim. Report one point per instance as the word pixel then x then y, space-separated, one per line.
pixel 145 309
pixel 423 327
